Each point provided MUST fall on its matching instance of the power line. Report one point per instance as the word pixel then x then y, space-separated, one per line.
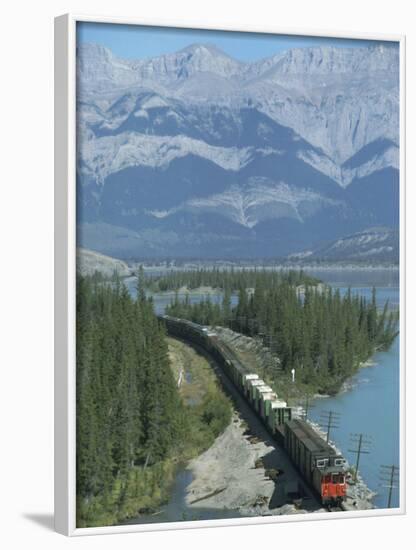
pixel 363 442
pixel 307 406
pixel 389 475
pixel 329 420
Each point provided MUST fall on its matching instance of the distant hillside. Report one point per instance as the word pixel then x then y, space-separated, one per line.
pixel 374 244
pixel 89 262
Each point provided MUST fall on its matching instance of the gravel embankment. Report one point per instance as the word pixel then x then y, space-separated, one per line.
pixel 235 473
pixel 246 470
pixel 227 472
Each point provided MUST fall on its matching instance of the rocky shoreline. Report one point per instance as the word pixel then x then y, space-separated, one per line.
pixel 236 473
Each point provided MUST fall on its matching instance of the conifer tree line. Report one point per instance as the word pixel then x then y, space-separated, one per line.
pixel 127 404
pixel 231 279
pixel 131 424
pixel 314 330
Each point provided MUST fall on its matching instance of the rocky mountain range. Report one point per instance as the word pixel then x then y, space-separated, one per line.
pixel 197 154
pixel 376 244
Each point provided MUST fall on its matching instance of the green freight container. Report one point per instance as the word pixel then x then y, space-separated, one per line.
pixel 268 400
pixel 278 414
pixel 247 378
pixel 265 400
pixel 259 391
pixel 253 385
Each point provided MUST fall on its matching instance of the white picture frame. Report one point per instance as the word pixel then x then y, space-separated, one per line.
pixel 65 269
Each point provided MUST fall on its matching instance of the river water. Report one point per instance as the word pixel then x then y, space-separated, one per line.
pixel 369 406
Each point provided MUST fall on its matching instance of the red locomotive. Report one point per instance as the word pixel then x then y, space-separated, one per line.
pixel 318 462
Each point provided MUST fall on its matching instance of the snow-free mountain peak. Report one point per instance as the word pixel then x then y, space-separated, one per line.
pixel 326 60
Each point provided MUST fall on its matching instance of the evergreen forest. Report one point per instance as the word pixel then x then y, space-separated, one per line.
pixel 309 326
pixel 132 427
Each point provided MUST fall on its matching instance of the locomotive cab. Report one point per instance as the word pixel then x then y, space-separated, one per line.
pixel 333 485
pixel 331 479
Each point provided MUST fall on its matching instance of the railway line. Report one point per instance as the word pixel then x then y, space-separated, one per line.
pixel 320 468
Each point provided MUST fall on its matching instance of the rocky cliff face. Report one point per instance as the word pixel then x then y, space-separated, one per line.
pixel 232 158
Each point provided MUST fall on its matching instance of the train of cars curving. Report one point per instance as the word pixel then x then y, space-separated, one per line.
pixel 320 465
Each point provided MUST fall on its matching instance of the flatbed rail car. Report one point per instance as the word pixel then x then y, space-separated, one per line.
pixel 318 463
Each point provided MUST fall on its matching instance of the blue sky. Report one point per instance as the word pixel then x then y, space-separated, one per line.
pixel 135 42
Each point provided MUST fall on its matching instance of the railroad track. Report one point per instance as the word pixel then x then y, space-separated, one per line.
pixel 321 467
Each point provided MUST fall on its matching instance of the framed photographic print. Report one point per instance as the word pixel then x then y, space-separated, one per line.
pixel 229 275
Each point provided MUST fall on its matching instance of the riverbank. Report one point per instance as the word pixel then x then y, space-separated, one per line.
pixel 225 483
pixel 359 495
pixel 232 474
pixel 246 474
pixel 226 476
pixel 227 472
pixel 251 351
pixel 369 400
pixel 245 469
pixel 206 412
pixel 243 473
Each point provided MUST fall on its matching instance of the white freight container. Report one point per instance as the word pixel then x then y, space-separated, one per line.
pixel 268 396
pixel 251 376
pixel 247 378
pixel 260 387
pixel 252 385
pixel 278 404
pixel 265 389
pixel 256 382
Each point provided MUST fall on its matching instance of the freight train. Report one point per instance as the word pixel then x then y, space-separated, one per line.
pixel 320 465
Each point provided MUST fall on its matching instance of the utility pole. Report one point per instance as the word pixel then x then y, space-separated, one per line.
pixel 390 477
pixel 307 406
pixel 362 442
pixel 329 420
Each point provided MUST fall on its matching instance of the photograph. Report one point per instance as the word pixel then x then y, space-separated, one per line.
pixel 238 280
